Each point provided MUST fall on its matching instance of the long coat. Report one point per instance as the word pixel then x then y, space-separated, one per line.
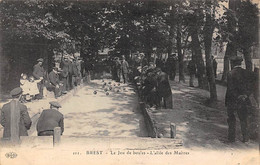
pixel 38 71
pixel 54 78
pixel 163 88
pixel 239 82
pixel 24 123
pixel 49 119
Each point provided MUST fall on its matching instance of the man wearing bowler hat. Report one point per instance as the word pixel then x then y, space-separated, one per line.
pixel 49 119
pixel 38 73
pixel 237 98
pixel 14 117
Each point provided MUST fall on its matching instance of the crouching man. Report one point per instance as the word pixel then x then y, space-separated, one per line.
pixel 49 119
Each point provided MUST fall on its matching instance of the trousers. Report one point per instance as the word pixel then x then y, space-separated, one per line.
pixel 242 113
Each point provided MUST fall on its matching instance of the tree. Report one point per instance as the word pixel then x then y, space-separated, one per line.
pixel 208 33
pixel 247 29
pixel 231 30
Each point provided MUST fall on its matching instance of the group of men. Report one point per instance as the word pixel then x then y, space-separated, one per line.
pixel 60 79
pixel 120 69
pixel 241 96
pixel 168 66
pixel 155 87
pixel 16 120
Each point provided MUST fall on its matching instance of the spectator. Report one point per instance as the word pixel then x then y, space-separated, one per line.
pixel 125 69
pixel 33 87
pixel 49 119
pixel 55 84
pixel 15 117
pixel 38 73
pixel 171 66
pixel 118 69
pixel 25 85
pixel 164 89
pixel 65 74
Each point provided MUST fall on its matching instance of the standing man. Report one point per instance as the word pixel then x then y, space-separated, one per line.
pixel 192 71
pixel 55 82
pixel 38 73
pixel 49 119
pixel 237 98
pixel 215 65
pixel 171 66
pixel 125 67
pixel 164 89
pixel 71 72
pixel 118 69
pixel 14 117
pixel 65 74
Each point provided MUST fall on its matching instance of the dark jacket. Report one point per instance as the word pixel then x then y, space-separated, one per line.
pixel 125 66
pixel 191 68
pixel 54 78
pixel 163 85
pixel 38 71
pixel 64 68
pixel 24 124
pixel 238 83
pixel 49 119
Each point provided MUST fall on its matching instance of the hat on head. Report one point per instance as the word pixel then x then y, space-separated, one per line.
pixel 16 91
pixel 55 104
pixel 40 60
pixel 236 59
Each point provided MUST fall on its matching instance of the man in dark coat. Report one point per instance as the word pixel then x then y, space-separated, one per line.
pixel 171 66
pixel 55 82
pixel 15 115
pixel 125 69
pixel 237 98
pixel 65 74
pixel 118 69
pixel 49 119
pixel 38 73
pixel 164 89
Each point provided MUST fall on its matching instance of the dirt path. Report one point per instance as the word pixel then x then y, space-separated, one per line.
pixel 116 114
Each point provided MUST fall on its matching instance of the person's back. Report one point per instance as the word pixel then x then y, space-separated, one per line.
pixel 164 88
pixel 22 113
pixel 50 119
pixel 237 84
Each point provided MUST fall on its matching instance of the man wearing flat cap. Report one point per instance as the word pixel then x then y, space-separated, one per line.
pixel 38 73
pixel 237 94
pixel 14 117
pixel 49 119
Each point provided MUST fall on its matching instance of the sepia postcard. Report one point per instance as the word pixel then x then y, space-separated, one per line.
pixel 129 82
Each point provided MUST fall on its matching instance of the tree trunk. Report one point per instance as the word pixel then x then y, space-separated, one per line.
pixel 208 32
pixel 231 49
pixel 180 55
pixel 170 43
pixel 198 59
pixel 248 59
